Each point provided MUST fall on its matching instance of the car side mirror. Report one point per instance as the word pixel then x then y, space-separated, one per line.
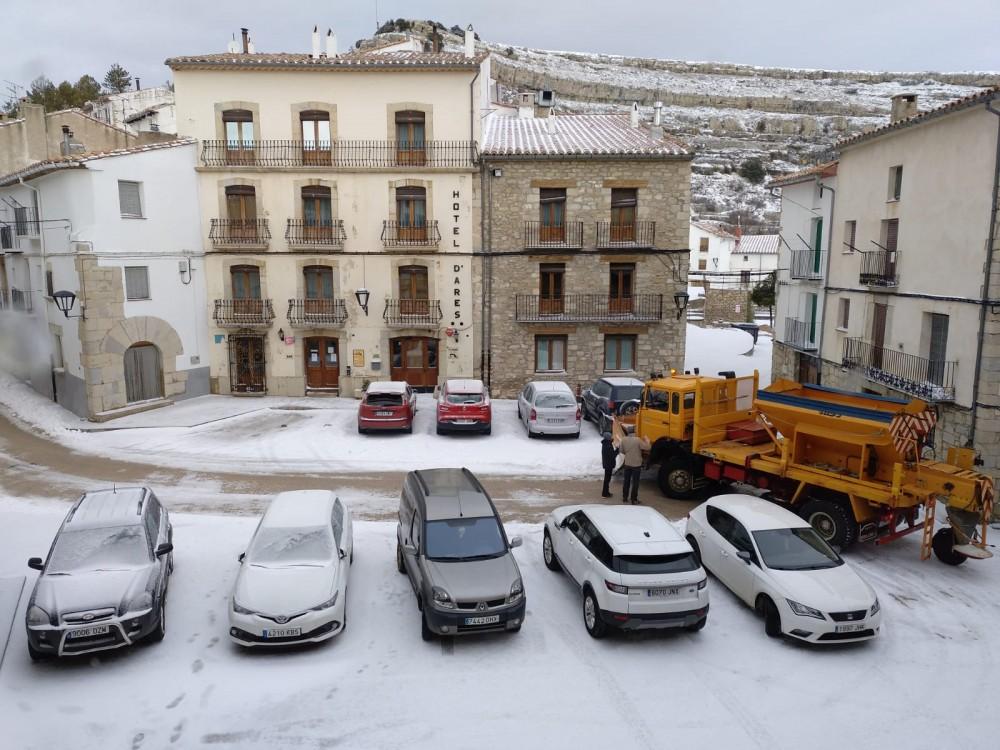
pixel 342 554
pixel 36 563
pixel 515 541
pixel 164 549
pixel 744 556
pixel 564 523
pixel 241 556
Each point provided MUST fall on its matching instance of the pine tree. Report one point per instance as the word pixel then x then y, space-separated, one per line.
pixel 117 79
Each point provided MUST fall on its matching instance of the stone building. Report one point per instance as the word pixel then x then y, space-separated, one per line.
pixel 585 230
pixel 339 199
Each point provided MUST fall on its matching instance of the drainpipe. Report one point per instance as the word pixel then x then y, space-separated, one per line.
pixel 45 305
pixel 826 273
pixel 991 239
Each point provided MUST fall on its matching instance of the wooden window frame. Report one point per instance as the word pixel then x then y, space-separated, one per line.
pixel 563 338
pixel 552 214
pixel 619 337
pixel 318 151
pixel 624 214
pixel 411 151
pixel 551 288
pixel 241 150
pixel 410 300
pixel 621 279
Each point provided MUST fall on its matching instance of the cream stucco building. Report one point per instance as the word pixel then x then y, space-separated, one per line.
pixel 340 206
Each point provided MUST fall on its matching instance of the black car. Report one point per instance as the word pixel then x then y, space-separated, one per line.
pixel 104 583
pixel 602 399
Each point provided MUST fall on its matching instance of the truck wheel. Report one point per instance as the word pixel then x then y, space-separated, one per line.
pixel 943 544
pixel 676 478
pixel 832 520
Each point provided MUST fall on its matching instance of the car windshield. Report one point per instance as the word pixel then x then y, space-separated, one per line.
pixel 554 400
pixel 384 399
pixel 113 548
pixel 627 392
pixel 290 546
pixel 647 564
pixel 464 398
pixel 795 549
pixel 464 539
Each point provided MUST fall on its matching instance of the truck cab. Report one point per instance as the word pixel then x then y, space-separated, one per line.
pixel 666 409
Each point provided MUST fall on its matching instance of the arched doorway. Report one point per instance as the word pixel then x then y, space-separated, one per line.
pixel 143 373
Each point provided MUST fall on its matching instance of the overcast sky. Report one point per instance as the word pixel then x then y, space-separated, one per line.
pixel 63 40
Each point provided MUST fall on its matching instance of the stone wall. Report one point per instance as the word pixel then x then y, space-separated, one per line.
pixel 727 305
pixel 784 362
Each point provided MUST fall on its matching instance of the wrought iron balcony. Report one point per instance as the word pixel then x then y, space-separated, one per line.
pixel 15 300
pixel 395 234
pixel 879 268
pixel 800 333
pixel 304 234
pixel 243 313
pixel 929 379
pixel 568 234
pixel 412 313
pixel 317 313
pixel 588 308
pixel 239 233
pixel 635 234
pixel 806 264
pixel 341 153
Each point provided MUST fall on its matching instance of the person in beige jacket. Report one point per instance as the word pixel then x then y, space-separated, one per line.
pixel 631 448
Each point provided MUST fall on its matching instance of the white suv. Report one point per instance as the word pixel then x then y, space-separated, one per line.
pixel 634 569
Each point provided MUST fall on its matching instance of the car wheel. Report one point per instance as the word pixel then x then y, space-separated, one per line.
pixel 488 430
pixel 695 548
pixel 592 616
pixel 440 431
pixel 170 564
pixel 361 430
pixel 515 630
pixel 409 429
pixel 576 435
pixel 676 478
pixel 697 626
pixel 161 625
pixel 943 544
pixel 36 655
pixel 772 618
pixel 832 520
pixel 425 632
pixel 531 435
pixel 584 412
pixel 549 553
pixel 400 565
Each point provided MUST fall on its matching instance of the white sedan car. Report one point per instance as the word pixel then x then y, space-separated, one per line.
pixel 634 569
pixel 774 561
pixel 292 584
pixel 547 407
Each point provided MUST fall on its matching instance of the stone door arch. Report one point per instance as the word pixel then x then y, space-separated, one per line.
pixel 143 372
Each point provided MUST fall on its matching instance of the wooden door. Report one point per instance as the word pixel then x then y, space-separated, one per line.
pixel 143 373
pixel 241 210
pixel 891 243
pixel 413 291
pixel 246 290
pixel 315 138
pixel 415 360
pixel 322 362
pixel 552 215
pixel 240 144
pixel 624 202
pixel 879 315
pixel 550 298
pixel 411 146
pixel 621 287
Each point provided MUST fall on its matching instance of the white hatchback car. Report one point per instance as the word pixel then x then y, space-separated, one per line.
pixel 634 568
pixel 292 584
pixel 774 561
pixel 549 408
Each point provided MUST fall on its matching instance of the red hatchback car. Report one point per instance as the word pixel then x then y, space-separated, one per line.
pixel 387 406
pixel 464 406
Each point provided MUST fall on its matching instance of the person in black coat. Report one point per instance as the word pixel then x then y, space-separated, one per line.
pixel 608 454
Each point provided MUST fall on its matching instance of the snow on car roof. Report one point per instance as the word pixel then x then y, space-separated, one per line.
pixel 299 508
pixel 464 386
pixel 756 514
pixel 102 508
pixel 388 386
pixel 623 381
pixel 551 385
pixel 631 524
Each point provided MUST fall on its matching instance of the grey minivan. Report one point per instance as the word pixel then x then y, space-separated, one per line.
pixel 452 545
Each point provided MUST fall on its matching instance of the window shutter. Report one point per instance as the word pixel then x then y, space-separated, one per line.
pixel 129 199
pixel 136 282
pixel 891 234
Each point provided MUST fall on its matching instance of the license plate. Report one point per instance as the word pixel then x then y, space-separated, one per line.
pixel 465 421
pixel 87 632
pixel 672 591
pixel 852 628
pixel 282 633
pixel 383 414
pixel 554 421
pixel 487 620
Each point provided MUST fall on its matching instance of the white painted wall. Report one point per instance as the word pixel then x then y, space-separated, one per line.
pixel 720 249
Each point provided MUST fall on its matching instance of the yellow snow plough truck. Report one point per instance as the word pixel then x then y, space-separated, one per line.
pixel 849 463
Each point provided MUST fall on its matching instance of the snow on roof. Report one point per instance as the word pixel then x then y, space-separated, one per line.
pixel 464 386
pixel 759 244
pixel 387 386
pixel 757 514
pixel 299 508
pixel 622 381
pixel 355 60
pixel 604 135
pixel 826 169
pixel 716 228
pixel 551 385
pixel 103 508
pixel 68 162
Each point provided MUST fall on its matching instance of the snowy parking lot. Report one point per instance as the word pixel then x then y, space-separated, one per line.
pixel 924 683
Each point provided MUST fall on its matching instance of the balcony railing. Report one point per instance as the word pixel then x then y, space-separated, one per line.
pixel 15 300
pixel 395 234
pixel 347 154
pixel 239 233
pixel 929 379
pixel 313 313
pixel 878 268
pixel 806 264
pixel 636 234
pixel 412 313
pixel 538 235
pixel 243 313
pixel 800 333
pixel 309 234
pixel 588 308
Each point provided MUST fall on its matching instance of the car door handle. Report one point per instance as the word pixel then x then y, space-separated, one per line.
pixel 724 553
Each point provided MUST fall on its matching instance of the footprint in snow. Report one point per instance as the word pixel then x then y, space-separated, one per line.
pixel 211 643
pixel 176 701
pixel 178 731
pixel 137 740
pixel 193 637
pixel 197 665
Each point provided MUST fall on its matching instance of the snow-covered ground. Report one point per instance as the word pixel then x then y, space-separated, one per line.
pixel 923 684
pixel 275 434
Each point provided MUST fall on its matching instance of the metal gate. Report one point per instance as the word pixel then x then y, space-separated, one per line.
pixel 246 363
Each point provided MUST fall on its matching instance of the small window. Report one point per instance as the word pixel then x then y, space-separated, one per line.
pixel 850 236
pixel 745 276
pixel 844 314
pixel 130 199
pixel 136 282
pixel 48 282
pixel 703 244
pixel 703 265
pixel 895 182
pixel 550 353
pixel 656 400
pixel 619 352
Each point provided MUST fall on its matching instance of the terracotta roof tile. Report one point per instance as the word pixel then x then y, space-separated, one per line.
pixel 826 169
pixel 716 228
pixel 358 59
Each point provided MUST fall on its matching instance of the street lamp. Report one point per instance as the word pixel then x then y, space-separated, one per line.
pixel 361 295
pixel 681 303
pixel 64 301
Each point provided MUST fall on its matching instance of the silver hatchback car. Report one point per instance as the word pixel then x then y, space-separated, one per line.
pixel 549 407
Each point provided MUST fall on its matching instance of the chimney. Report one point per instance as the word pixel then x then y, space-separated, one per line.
pixel 67 135
pixel 526 105
pixel 470 42
pixel 544 103
pixel 550 125
pixel 331 43
pixel 246 40
pixel 903 106
pixel 233 46
pixel 315 40
pixel 658 113
pixel 634 115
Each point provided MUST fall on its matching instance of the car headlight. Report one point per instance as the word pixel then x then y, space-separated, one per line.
pixel 803 611
pixel 876 607
pixel 38 616
pixel 241 610
pixel 139 603
pixel 441 598
pixel 327 604
pixel 516 590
